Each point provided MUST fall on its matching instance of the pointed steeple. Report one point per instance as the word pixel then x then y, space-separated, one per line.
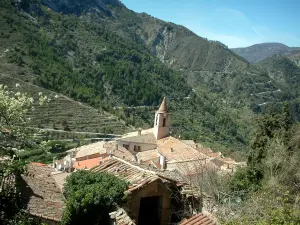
pixel 163 106
pixel 162 121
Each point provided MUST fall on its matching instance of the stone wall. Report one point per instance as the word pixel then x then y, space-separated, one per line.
pixel 156 188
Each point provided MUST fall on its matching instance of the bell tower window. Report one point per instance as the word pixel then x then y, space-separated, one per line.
pixel 164 122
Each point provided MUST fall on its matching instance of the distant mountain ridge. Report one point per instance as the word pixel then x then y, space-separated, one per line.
pixel 258 52
pixel 100 53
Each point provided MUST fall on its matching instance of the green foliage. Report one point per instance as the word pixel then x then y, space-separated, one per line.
pixel 13 136
pixel 90 197
pixel 269 186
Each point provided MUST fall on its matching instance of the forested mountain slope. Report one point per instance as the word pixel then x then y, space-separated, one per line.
pixel 102 54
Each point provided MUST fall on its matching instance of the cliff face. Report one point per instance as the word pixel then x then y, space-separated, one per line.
pixel 182 49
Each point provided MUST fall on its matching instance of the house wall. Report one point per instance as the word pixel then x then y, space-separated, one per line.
pixel 156 188
pixel 144 147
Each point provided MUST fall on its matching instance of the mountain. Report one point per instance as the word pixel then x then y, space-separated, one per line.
pixel 284 70
pixel 103 55
pixel 258 52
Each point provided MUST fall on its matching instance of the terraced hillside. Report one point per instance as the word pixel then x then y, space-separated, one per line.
pixel 109 57
pixel 62 112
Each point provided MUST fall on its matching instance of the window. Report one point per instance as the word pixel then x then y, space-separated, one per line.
pixel 126 146
pixel 156 120
pixel 164 122
pixel 137 148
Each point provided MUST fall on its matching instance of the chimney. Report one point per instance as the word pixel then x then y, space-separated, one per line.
pixel 162 162
pixel 139 131
pixel 172 150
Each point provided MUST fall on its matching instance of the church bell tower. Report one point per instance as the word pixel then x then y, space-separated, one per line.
pixel 162 121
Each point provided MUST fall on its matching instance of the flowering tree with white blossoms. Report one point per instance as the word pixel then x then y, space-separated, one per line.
pixel 14 132
pixel 13 118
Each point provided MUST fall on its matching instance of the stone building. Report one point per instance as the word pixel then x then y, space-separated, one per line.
pixel 43 197
pixel 155 147
pixel 149 194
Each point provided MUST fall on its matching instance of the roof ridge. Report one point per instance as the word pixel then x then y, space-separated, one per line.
pixel 134 166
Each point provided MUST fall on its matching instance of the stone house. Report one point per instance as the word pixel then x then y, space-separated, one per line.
pixel 43 197
pixel 147 192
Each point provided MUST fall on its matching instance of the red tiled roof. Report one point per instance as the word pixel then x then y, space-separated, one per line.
pixel 45 198
pixel 120 152
pixel 88 163
pixel 175 150
pixel 136 176
pixel 199 219
pixel 38 164
pixel 148 155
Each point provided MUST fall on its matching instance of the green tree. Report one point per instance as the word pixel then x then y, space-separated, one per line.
pixel 90 197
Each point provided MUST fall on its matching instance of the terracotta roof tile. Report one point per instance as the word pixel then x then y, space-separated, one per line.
pixel 144 138
pixel 38 164
pixel 175 150
pixel 45 200
pixel 190 143
pixel 60 178
pixel 148 155
pixel 198 219
pixel 135 175
pixel 120 152
pixel 88 163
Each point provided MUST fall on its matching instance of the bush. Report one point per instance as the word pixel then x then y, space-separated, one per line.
pixel 90 197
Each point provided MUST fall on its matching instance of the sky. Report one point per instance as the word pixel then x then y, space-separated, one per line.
pixel 235 23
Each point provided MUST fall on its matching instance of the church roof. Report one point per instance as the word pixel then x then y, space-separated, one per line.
pixel 163 106
pixel 144 138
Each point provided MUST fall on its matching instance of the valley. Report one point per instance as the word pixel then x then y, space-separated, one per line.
pixel 105 61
